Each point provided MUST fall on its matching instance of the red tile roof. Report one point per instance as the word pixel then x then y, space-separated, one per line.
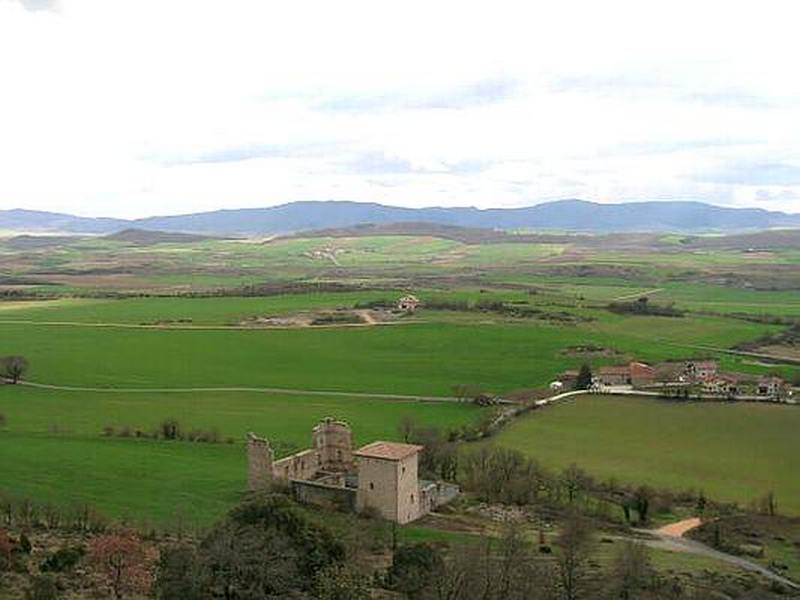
pixel 388 450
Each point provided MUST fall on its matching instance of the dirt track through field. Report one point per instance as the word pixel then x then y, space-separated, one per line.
pixel 368 322
pixel 264 390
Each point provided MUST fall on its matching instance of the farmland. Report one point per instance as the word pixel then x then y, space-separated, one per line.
pixel 736 453
pixel 147 332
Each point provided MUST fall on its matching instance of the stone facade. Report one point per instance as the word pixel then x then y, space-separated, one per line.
pixel 381 476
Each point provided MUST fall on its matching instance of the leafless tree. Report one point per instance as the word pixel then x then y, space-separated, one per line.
pixel 573 547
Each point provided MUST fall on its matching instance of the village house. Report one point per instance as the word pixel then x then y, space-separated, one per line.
pixel 721 384
pixel 380 477
pixel 636 374
pixel 567 379
pixel 611 376
pixel 773 387
pixel 408 303
pixel 701 370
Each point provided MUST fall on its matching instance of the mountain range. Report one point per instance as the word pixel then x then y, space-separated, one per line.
pixel 562 215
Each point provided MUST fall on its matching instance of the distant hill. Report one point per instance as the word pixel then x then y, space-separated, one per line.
pixel 145 237
pixel 563 215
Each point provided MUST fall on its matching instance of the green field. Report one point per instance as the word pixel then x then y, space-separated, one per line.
pixel 733 452
pixel 157 338
pixel 53 449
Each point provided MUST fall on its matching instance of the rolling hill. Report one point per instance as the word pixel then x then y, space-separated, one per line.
pixel 563 215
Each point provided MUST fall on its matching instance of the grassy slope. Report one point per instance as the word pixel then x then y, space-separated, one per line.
pixel 734 452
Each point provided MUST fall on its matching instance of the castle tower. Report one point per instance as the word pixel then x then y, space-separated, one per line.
pixel 387 480
pixel 259 463
pixel 333 442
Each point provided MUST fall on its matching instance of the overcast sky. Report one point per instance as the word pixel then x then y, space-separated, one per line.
pixel 140 107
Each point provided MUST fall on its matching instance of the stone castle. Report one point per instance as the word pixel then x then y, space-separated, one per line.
pixel 381 476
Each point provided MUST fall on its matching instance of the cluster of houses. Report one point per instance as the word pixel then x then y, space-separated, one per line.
pixel 696 378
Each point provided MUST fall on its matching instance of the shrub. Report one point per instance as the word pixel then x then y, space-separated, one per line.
pixel 6 551
pixel 63 559
pixel 43 587
pixel 170 429
pixel 413 568
pixel 3 420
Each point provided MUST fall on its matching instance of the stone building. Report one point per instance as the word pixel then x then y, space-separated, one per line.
pixel 381 476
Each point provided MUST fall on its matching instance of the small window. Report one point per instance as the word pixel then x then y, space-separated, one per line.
pixel 371 485
pixel 412 498
pixel 404 470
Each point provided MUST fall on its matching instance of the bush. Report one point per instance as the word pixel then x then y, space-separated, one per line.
pixel 43 587
pixel 413 568
pixel 6 551
pixel 63 559
pixel 170 429
pixel 3 420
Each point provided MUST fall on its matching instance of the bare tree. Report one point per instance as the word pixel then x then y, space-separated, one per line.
pixel 576 481
pixel 13 367
pixel 632 571
pixel 573 546
pixel 407 427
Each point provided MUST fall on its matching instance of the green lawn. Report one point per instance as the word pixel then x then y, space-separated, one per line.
pixel 734 452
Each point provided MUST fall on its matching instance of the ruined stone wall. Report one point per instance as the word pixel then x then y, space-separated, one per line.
pixel 259 463
pixel 303 465
pixel 331 496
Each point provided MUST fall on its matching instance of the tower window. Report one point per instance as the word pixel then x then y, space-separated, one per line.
pixel 371 485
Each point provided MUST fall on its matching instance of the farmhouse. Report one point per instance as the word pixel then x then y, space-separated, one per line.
pixel 772 387
pixel 381 476
pixel 701 370
pixel 721 384
pixel 618 375
pixel 636 374
pixel 408 303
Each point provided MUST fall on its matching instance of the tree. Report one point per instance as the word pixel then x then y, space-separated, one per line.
pixel 573 545
pixel 407 427
pixel 641 502
pixel 123 560
pixel 414 568
pixel 13 367
pixel 584 381
pixel 266 548
pixel 576 481
pixel 177 574
pixel 632 571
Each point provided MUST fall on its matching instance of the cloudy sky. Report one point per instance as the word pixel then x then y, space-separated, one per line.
pixel 140 107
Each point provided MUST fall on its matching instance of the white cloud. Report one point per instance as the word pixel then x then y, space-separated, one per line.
pixel 134 107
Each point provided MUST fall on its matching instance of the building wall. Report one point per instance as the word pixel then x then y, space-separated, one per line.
pixel 408 500
pixel 377 486
pixel 332 496
pixel 389 487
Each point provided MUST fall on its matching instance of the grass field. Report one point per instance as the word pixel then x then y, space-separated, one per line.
pixel 733 452
pixel 53 450
pixel 52 447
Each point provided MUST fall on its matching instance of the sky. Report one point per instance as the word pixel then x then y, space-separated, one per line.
pixel 132 108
